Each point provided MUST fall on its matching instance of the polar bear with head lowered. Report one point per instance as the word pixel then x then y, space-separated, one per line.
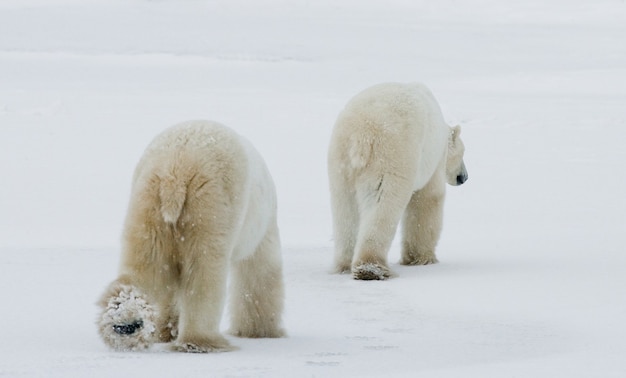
pixel 390 156
pixel 202 204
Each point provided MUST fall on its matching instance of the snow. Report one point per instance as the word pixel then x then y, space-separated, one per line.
pixel 532 274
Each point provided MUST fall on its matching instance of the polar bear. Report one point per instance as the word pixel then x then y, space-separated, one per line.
pixel 202 204
pixel 390 156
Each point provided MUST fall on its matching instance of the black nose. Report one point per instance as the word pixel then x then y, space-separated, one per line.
pixel 460 179
pixel 127 329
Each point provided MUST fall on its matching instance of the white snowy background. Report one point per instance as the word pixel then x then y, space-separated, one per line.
pixel 532 278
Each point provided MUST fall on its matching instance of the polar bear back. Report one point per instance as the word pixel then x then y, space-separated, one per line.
pixel 393 124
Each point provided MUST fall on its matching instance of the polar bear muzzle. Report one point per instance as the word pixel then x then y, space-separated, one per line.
pixel 462 176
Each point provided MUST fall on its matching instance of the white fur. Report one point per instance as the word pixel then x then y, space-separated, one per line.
pixel 390 154
pixel 202 204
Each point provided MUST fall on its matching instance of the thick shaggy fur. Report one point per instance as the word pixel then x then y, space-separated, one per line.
pixel 202 204
pixel 390 156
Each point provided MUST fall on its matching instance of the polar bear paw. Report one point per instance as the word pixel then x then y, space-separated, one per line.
pixel 128 320
pixel 370 271
pixel 205 345
pixel 424 259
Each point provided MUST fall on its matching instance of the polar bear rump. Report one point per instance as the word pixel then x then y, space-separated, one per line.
pixel 202 211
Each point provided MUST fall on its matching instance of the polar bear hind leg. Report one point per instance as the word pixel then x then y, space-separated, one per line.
pixel 201 297
pixel 381 203
pixel 257 292
pixel 346 224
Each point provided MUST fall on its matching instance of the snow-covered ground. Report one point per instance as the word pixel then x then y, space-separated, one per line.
pixel 532 278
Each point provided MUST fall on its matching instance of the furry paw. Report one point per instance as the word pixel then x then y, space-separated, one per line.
pixel 128 320
pixel 419 260
pixel 261 332
pixel 213 345
pixel 370 271
pixel 342 269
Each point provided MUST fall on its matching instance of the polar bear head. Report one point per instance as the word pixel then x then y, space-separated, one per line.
pixel 456 174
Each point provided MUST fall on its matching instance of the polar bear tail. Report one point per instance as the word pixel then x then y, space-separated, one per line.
pixel 360 151
pixel 173 193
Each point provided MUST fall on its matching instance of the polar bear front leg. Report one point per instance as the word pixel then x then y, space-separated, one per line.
pixel 257 292
pixel 422 223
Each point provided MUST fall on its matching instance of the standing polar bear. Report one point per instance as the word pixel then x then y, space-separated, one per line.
pixel 390 156
pixel 202 203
